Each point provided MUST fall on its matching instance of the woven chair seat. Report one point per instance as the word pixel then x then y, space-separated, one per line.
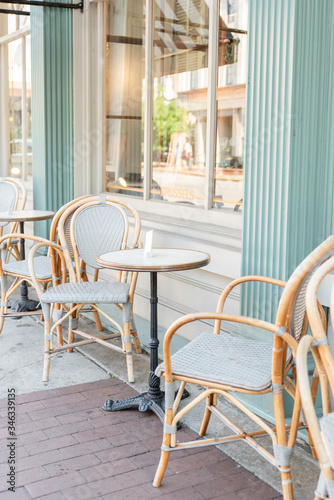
pixel 227 360
pixel 327 427
pixel 86 292
pixel 13 241
pixel 42 266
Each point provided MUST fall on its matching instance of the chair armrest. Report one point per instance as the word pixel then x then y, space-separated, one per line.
pixel 189 318
pixel 55 250
pixel 239 281
pixel 10 236
pixel 307 402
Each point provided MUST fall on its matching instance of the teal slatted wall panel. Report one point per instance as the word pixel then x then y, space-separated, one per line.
pixel 289 166
pixel 52 108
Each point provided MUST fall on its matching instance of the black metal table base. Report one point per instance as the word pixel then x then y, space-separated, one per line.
pixel 143 402
pixel 24 305
pixel 154 399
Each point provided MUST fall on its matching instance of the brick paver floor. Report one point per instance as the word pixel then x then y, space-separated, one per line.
pixel 66 447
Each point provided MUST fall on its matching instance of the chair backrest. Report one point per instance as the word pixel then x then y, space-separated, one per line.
pixel 96 229
pixel 9 196
pixel 97 225
pixel 322 436
pixel 291 312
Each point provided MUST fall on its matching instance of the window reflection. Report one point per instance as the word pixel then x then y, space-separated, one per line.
pixel 231 100
pixel 20 145
pixel 124 96
pixel 180 94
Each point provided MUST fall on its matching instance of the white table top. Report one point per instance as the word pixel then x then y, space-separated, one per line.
pixel 161 259
pixel 25 215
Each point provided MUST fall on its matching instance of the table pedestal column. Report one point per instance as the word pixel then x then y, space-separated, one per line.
pixel 24 304
pixel 153 399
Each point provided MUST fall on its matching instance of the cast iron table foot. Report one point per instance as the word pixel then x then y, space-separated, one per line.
pixel 24 305
pixel 143 402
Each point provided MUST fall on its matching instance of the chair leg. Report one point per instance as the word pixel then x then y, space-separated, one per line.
pixel 164 457
pixel 47 347
pixel 3 310
pixel 97 320
pixel 128 350
pixel 287 487
pixel 135 337
pixel 73 321
pixel 210 400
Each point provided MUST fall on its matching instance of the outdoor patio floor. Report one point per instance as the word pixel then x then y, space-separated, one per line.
pixel 68 447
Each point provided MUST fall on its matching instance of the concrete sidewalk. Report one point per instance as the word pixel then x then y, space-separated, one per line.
pixel 21 363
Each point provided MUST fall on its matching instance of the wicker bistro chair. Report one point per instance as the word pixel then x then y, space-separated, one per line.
pixel 13 196
pixel 323 436
pixel 225 365
pixel 98 226
pixel 20 272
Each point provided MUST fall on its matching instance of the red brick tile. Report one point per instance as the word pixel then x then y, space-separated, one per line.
pixel 136 492
pixel 146 460
pixel 33 426
pixel 40 459
pixel 72 464
pixel 96 489
pixel 183 480
pixel 85 448
pixel 107 418
pixel 108 382
pixel 120 439
pixel 108 469
pixel 52 496
pixel 21 419
pixel 70 418
pixel 100 432
pixel 54 484
pixel 65 399
pixel 260 492
pixel 31 475
pixel 222 467
pixel 75 435
pixel 107 392
pixel 31 437
pixel 20 494
pixel 184 494
pixel 51 444
pixel 129 450
pixel 72 428
pixel 29 407
pixel 37 396
pixel 84 405
pixel 229 484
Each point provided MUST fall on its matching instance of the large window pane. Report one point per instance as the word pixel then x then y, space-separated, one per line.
pixel 28 105
pixel 180 69
pixel 124 96
pixel 231 97
pixel 15 106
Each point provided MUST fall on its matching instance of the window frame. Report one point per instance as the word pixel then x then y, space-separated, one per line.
pixel 21 33
pixel 207 213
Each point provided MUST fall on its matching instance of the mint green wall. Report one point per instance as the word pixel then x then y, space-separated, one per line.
pixel 289 164
pixel 52 109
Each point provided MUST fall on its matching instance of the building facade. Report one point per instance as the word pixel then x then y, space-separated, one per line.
pixel 213 118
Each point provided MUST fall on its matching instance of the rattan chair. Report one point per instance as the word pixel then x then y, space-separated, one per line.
pixel 98 226
pixel 322 433
pixel 13 196
pixel 19 271
pixel 226 365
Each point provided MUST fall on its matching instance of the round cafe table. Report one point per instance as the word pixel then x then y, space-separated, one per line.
pixel 159 260
pixel 23 216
